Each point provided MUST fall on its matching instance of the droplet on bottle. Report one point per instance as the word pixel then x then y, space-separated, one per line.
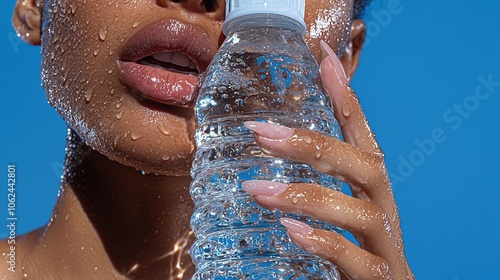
pixel 137 23
pixel 119 115
pixel 102 34
pixel 164 129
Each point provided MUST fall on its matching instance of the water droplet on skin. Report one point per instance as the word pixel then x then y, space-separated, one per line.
pixel 96 52
pixel 317 155
pixel 137 23
pixel 110 71
pixel 308 140
pixel 165 157
pixel 88 94
pixel 135 135
pixel 118 105
pixel 346 109
pixel 66 217
pixel 82 248
pixel 119 115
pixel 25 276
pixel 102 34
pixel 295 200
pixel 164 129
pixel 112 91
pixel 73 8
pixel 95 269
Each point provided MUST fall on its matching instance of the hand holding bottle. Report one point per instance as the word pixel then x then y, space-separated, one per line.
pixel 371 214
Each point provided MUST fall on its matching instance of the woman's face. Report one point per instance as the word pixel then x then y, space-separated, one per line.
pixel 96 74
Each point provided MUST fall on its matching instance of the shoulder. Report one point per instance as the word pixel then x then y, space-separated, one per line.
pixel 13 250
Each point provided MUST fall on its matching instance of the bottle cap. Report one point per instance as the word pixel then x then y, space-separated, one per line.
pixel 290 8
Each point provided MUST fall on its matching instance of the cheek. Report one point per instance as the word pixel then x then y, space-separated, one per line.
pixel 329 21
pixel 80 47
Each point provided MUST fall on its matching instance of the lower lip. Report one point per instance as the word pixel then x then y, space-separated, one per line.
pixel 157 84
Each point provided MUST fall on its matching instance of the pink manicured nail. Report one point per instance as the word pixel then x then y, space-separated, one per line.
pixel 296 226
pixel 264 187
pixel 339 69
pixel 270 130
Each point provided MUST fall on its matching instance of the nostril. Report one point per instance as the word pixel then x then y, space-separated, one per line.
pixel 210 5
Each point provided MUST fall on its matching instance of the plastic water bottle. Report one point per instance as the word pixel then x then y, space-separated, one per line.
pixel 264 71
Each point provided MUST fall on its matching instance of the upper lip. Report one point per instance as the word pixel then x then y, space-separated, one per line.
pixel 170 36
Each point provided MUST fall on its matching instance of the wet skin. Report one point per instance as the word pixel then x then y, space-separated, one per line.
pixel 124 207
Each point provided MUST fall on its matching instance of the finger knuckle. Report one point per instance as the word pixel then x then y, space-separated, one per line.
pixel 376 216
pixel 381 268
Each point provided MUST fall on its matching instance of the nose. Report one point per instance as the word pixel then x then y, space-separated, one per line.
pixel 214 8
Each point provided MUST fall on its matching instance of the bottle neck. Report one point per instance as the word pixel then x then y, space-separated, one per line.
pixel 263 20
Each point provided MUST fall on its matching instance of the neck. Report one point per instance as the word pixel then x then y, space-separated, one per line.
pixel 134 225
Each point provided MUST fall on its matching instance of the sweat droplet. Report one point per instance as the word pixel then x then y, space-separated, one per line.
pixel 102 34
pixel 308 140
pixel 96 52
pixel 119 115
pixel 137 23
pixel 165 157
pixel 295 200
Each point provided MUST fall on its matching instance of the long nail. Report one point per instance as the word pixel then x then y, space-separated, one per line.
pixel 264 187
pixel 270 130
pixel 339 69
pixel 297 227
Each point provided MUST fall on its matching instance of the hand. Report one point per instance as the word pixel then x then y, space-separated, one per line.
pixel 371 214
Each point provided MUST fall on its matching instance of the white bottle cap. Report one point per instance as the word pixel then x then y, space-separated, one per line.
pixel 290 8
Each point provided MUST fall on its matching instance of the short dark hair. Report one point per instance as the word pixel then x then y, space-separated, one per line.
pixel 359 7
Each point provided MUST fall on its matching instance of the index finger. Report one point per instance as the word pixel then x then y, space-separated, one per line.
pixel 348 111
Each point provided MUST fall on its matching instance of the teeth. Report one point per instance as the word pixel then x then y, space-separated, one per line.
pixel 192 65
pixel 175 58
pixel 180 59
pixel 164 56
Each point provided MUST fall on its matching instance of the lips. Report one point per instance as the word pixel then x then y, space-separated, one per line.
pixel 162 61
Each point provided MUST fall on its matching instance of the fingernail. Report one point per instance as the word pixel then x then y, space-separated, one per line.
pixel 269 130
pixel 297 227
pixel 264 187
pixel 326 51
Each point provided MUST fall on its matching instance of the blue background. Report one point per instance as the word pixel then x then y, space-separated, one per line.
pixel 423 59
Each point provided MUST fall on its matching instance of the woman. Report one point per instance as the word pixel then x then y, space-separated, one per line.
pixel 122 74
